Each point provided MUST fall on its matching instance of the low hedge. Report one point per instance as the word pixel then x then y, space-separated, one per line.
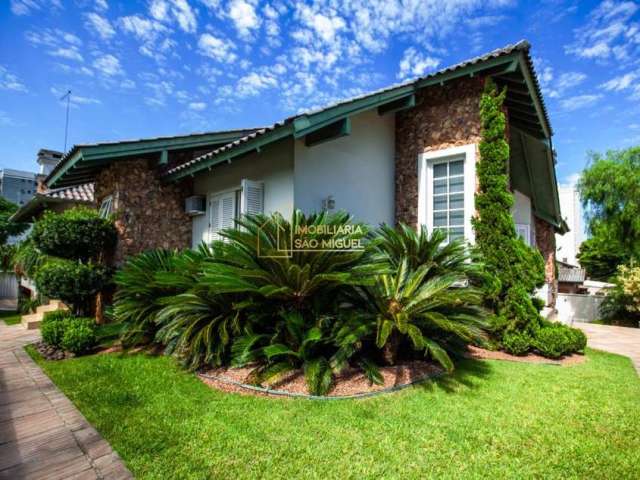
pixel 62 330
pixel 555 340
pixel 517 343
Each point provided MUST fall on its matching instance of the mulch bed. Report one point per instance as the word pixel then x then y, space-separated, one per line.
pixel 482 354
pixel 351 382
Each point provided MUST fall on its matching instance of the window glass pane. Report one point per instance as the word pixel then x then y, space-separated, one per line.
pixel 439 170
pixel 455 201
pixel 456 184
pixel 456 217
pixel 455 233
pixel 440 186
pixel 440 202
pixel 440 219
pixel 456 168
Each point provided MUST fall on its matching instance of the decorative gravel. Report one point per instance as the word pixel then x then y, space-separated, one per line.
pixel 481 353
pixel 351 382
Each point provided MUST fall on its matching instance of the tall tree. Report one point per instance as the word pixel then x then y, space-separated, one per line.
pixel 7 227
pixel 610 191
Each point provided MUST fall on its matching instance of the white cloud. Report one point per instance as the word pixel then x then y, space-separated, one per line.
pixel 142 28
pixel 159 9
pixel 197 106
pixel 216 48
pixel 75 99
pixel 6 120
pixel 565 82
pixel 185 16
pixel 9 81
pixel 579 101
pixel 27 7
pixel 244 17
pixel 609 33
pixel 252 84
pixel 101 5
pixel 621 82
pixel 415 64
pixel 108 65
pixel 70 53
pixel 99 25
pixel 325 26
pixel 52 38
pixel 571 180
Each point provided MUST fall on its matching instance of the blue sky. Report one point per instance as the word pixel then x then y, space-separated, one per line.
pixel 162 67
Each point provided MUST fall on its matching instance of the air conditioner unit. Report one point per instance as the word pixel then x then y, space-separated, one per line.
pixel 195 205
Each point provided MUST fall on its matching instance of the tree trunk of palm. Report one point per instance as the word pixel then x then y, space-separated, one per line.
pixel 390 349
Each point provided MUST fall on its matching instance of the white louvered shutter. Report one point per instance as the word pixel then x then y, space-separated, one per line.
pixel 252 199
pixel 228 210
pixel 214 219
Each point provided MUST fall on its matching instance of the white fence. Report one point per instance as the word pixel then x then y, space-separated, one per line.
pixel 573 307
pixel 8 285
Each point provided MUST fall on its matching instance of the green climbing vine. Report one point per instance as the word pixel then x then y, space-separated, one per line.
pixel 516 268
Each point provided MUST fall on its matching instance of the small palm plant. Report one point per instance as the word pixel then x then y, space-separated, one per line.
pixel 426 297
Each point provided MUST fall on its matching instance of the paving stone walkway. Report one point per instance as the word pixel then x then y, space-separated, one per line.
pixel 42 434
pixel 620 340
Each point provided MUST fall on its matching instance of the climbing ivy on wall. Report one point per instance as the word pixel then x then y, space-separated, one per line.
pixel 516 268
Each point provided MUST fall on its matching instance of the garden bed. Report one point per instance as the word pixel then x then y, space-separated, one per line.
pixel 350 383
pixel 482 354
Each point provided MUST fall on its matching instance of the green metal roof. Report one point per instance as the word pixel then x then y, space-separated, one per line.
pixel 82 162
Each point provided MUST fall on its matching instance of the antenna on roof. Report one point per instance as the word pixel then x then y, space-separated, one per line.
pixel 66 125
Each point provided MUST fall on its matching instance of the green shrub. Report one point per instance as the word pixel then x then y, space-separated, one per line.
pixel 518 268
pixel 27 304
pixel 53 326
pixel 517 343
pixel 79 335
pixel 77 233
pixel 75 283
pixel 554 340
pixel 28 259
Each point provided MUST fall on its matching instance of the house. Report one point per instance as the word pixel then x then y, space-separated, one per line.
pixel 406 153
pixel 56 199
pixel 570 278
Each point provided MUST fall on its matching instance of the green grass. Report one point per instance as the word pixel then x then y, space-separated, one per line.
pixel 11 318
pixel 490 420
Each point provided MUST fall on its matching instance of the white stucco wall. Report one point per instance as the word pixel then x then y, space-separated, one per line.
pixel 357 170
pixel 273 166
pixel 523 214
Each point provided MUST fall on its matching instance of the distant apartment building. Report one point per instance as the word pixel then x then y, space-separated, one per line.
pixel 19 186
pixel 568 245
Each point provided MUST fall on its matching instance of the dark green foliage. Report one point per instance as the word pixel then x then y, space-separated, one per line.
pixel 601 254
pixel 9 228
pixel 554 340
pixel 7 257
pixel 79 335
pixel 518 268
pixel 28 258
pixel 78 233
pixel 27 304
pixel 244 302
pixel 73 282
pixel 517 343
pixel 53 326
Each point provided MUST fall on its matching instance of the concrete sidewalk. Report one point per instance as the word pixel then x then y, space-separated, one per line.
pixel 42 434
pixel 621 340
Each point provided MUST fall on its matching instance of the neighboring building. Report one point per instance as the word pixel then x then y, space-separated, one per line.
pixel 406 153
pixel 57 200
pixel 17 186
pixel 48 159
pixel 570 278
pixel 568 245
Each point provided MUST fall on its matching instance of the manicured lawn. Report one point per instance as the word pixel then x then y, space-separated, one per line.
pixel 491 420
pixel 11 318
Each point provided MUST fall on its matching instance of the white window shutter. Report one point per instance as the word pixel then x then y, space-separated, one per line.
pixel 228 210
pixel 214 220
pixel 252 198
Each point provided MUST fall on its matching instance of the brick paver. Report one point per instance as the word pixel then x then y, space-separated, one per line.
pixel 42 434
pixel 621 340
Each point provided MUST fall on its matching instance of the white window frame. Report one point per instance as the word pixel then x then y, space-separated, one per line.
pixel 426 161
pixel 526 229
pixel 106 206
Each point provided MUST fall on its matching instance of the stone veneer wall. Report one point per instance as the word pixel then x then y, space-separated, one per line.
pixel 448 116
pixel 444 116
pixel 149 214
pixel 546 243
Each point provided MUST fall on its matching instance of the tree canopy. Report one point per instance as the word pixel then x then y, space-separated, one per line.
pixel 7 227
pixel 610 191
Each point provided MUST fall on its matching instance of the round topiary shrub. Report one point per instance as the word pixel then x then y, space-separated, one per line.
pixel 74 283
pixel 53 326
pixel 578 339
pixel 79 335
pixel 517 343
pixel 553 341
pixel 78 233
